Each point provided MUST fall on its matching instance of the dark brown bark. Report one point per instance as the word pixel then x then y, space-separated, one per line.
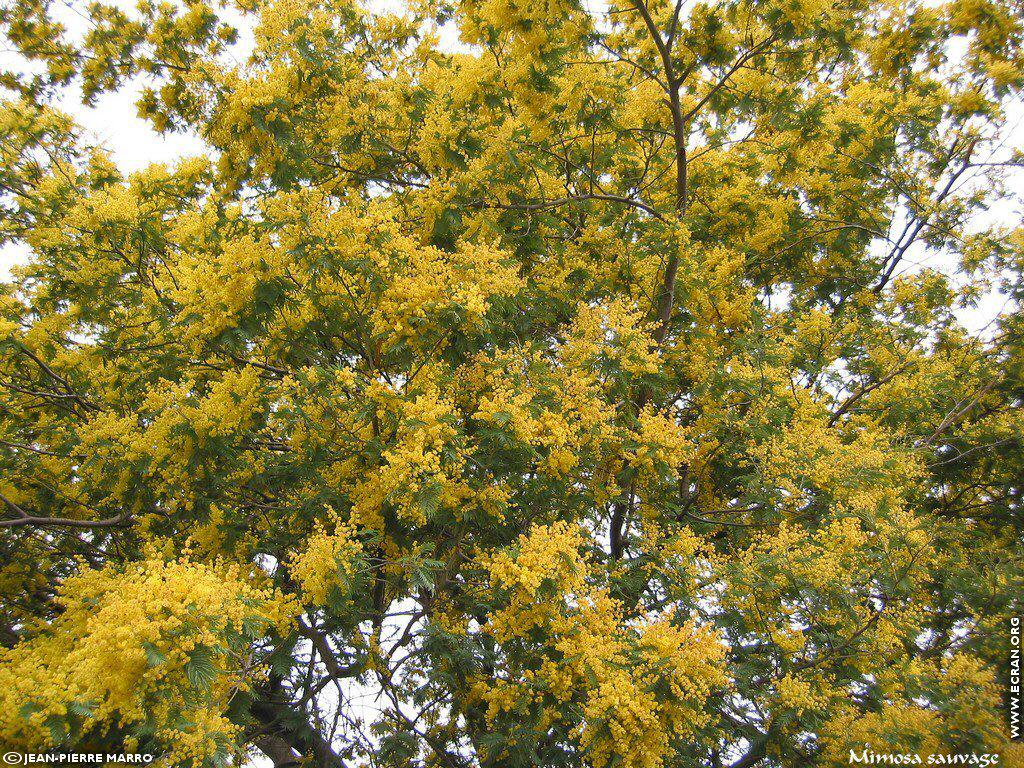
pixel 277 749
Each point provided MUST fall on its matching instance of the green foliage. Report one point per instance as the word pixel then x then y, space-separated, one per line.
pixel 593 392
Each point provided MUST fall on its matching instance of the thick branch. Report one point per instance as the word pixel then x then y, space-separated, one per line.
pixel 867 389
pixel 277 749
pixel 24 518
pixel 278 720
pixel 327 655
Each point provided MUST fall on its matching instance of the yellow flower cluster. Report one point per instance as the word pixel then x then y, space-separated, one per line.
pixel 328 562
pixel 865 475
pixel 661 442
pixel 179 424
pixel 427 285
pixel 413 466
pixel 544 406
pixel 131 646
pixel 529 28
pixel 798 694
pixel 546 556
pixel 614 331
pixel 638 686
pixel 219 286
pixel 625 720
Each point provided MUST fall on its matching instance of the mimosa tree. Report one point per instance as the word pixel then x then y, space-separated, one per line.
pixel 589 391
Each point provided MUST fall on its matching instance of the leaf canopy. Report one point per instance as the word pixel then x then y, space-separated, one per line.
pixel 512 383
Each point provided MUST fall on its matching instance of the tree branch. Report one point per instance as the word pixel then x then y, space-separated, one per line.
pixel 24 518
